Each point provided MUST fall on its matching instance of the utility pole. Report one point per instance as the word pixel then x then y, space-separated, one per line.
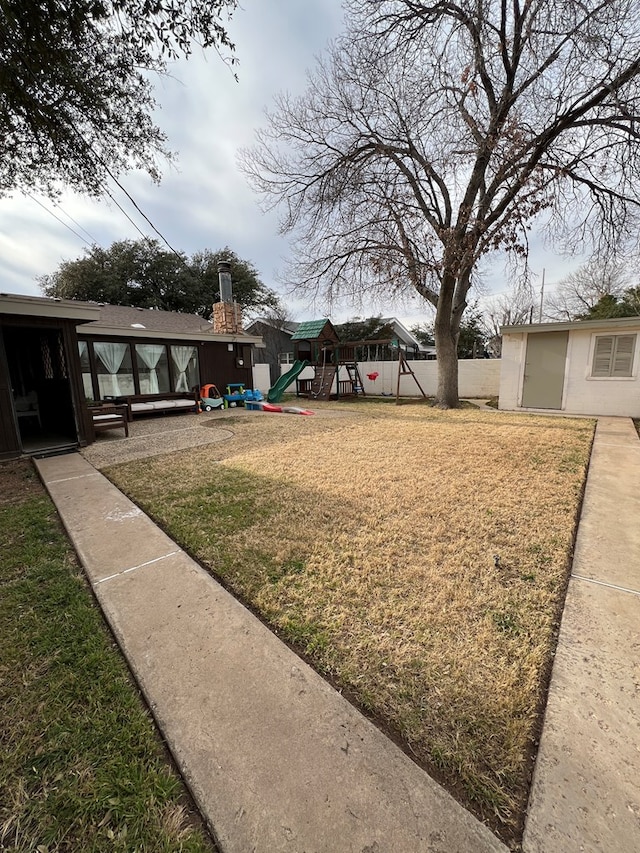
pixel 541 297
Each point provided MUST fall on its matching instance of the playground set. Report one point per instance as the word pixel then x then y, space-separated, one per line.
pixel 335 367
pixel 336 374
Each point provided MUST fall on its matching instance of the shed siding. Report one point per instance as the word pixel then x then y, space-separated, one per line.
pixel 511 372
pixel 583 394
pixel 601 396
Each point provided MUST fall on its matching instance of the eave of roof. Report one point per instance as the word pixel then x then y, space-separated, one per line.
pixel 96 331
pixel 40 306
pixel 533 328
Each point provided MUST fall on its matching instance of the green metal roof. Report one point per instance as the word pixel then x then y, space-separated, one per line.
pixel 309 330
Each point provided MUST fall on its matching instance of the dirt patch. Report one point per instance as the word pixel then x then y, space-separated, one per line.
pixel 18 481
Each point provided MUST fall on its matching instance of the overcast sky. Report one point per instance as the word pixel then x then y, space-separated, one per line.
pixel 203 201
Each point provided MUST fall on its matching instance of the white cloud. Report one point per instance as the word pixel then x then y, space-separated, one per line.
pixel 204 201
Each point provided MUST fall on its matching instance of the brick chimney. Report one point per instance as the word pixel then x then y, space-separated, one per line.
pixel 227 314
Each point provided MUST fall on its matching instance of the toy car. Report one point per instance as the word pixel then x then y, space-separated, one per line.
pixel 235 395
pixel 210 398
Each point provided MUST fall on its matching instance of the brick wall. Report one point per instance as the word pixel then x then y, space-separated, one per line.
pixel 227 318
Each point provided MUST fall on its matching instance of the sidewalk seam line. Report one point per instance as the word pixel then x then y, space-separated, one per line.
pixel 140 566
pixel 609 444
pixel 604 583
pixel 77 477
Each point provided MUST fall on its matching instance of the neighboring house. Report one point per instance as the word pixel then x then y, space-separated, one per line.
pixel 278 348
pixel 55 355
pixel 385 328
pixel 589 367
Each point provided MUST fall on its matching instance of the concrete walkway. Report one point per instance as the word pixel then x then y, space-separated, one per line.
pixel 275 758
pixel 278 761
pixel 586 787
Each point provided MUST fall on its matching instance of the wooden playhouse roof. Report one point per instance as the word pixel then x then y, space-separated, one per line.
pixel 311 330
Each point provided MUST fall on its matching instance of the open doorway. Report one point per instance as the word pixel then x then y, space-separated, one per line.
pixel 40 388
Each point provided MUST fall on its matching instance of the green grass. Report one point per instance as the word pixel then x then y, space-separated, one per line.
pixel 81 764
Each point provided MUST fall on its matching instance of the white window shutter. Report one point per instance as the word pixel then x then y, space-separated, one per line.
pixel 623 355
pixel 602 356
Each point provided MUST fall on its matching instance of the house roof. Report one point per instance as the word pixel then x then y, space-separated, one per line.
pixel 125 317
pixel 152 323
pixel 391 327
pixel 288 327
pixel 310 329
pixel 401 332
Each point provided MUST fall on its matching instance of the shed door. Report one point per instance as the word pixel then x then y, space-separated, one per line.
pixel 544 370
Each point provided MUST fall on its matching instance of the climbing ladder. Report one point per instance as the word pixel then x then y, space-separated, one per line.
pixel 322 382
pixel 354 385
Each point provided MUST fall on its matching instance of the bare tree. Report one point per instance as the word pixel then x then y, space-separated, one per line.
pixel 507 309
pixel 581 291
pixel 434 133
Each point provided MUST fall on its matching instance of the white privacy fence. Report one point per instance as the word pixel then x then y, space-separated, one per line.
pixel 477 377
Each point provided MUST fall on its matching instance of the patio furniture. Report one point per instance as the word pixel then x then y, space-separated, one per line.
pixel 147 404
pixel 110 417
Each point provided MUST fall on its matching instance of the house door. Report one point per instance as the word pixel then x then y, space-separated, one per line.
pixel 544 370
pixel 40 388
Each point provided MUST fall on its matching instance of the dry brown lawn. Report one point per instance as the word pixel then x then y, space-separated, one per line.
pixel 417 557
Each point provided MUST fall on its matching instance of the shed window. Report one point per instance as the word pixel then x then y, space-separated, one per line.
pixel 613 355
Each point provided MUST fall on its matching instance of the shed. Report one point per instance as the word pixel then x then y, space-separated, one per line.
pixel 587 367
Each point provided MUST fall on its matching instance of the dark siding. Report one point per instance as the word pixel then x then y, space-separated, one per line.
pixel 9 444
pixel 83 420
pixel 218 365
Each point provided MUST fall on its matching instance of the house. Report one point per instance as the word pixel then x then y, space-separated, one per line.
pixel 383 328
pixel 278 348
pixel 587 367
pixel 56 355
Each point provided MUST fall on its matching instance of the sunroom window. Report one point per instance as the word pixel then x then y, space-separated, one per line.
pixel 153 368
pixel 185 367
pixel 115 373
pixel 85 367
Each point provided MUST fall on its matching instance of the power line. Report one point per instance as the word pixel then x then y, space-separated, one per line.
pixel 68 215
pixel 61 221
pixel 140 211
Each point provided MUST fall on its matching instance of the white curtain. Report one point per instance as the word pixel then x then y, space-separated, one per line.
pixel 151 355
pixel 181 357
pixel 112 356
pixel 86 370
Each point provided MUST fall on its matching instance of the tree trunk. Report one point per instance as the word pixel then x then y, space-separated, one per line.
pixel 447 355
pixel 446 330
